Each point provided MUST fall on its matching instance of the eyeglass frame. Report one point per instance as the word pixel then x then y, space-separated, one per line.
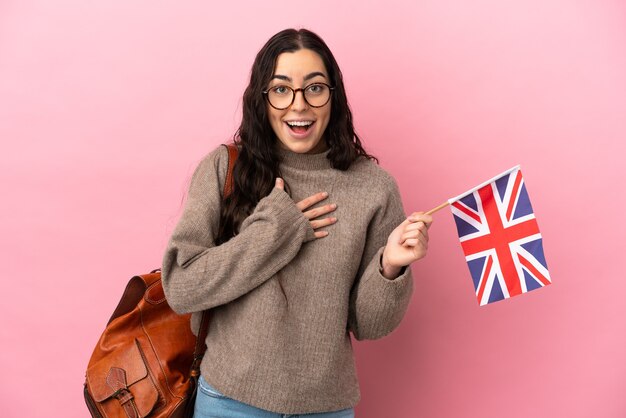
pixel 295 91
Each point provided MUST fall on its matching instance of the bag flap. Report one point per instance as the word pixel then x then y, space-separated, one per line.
pixel 126 358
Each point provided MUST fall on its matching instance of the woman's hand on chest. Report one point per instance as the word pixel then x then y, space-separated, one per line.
pixel 314 215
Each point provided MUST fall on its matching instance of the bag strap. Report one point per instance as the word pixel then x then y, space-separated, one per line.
pixel 198 352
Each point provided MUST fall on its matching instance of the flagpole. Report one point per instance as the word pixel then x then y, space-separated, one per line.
pixel 433 210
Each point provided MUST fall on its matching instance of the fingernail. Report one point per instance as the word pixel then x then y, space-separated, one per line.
pixel 325 194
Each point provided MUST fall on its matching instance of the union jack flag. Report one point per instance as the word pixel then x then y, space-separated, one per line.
pixel 500 238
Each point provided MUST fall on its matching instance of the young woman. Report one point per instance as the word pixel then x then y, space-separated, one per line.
pixel 312 244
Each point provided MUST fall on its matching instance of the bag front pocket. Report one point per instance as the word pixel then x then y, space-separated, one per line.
pixel 122 381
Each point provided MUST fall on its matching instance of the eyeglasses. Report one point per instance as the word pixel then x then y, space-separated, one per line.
pixel 281 97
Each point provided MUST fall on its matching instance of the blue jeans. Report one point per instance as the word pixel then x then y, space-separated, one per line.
pixel 212 404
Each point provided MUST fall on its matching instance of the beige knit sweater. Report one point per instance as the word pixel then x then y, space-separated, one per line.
pixel 283 302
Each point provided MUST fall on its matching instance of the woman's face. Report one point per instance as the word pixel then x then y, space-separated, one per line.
pixel 300 69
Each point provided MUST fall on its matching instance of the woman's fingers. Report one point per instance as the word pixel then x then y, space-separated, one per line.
pixel 322 210
pixel 415 242
pixel 311 200
pixel 323 222
pixel 419 222
pixel 317 212
pixel 416 226
pixel 421 217
pixel 408 242
pixel 321 234
pixel 413 236
pixel 416 232
pixel 319 223
pixel 413 231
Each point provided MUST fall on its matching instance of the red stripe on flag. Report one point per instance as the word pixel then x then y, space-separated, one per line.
pixel 483 283
pixel 500 238
pixel 512 233
pixel 518 181
pixel 533 270
pixel 466 211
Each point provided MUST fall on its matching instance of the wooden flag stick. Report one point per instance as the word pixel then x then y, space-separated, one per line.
pixel 443 205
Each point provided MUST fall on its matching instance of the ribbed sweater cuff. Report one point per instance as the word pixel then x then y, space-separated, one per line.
pixel 279 202
pixel 382 302
pixel 399 282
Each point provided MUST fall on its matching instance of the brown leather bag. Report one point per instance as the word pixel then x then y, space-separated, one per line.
pixel 147 361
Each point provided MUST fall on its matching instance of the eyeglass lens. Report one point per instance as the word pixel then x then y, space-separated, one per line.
pixel 281 97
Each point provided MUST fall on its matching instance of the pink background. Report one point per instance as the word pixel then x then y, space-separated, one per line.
pixel 106 108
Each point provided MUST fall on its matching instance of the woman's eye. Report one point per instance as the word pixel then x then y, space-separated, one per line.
pixel 315 88
pixel 280 90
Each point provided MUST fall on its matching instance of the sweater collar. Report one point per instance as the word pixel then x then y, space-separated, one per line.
pixel 296 160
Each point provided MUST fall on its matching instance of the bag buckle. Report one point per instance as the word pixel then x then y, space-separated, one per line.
pixel 116 379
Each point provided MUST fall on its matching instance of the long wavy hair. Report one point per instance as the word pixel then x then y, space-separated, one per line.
pixel 257 166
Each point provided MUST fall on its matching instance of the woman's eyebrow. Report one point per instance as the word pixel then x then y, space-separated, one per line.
pixel 307 77
pixel 314 74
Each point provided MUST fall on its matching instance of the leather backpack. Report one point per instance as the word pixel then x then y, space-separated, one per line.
pixel 147 360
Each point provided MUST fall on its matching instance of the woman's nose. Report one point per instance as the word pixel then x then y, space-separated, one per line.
pixel 299 103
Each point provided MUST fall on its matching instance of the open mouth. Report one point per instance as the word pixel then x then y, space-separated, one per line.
pixel 300 127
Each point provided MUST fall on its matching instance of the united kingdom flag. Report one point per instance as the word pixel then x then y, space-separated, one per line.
pixel 500 238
